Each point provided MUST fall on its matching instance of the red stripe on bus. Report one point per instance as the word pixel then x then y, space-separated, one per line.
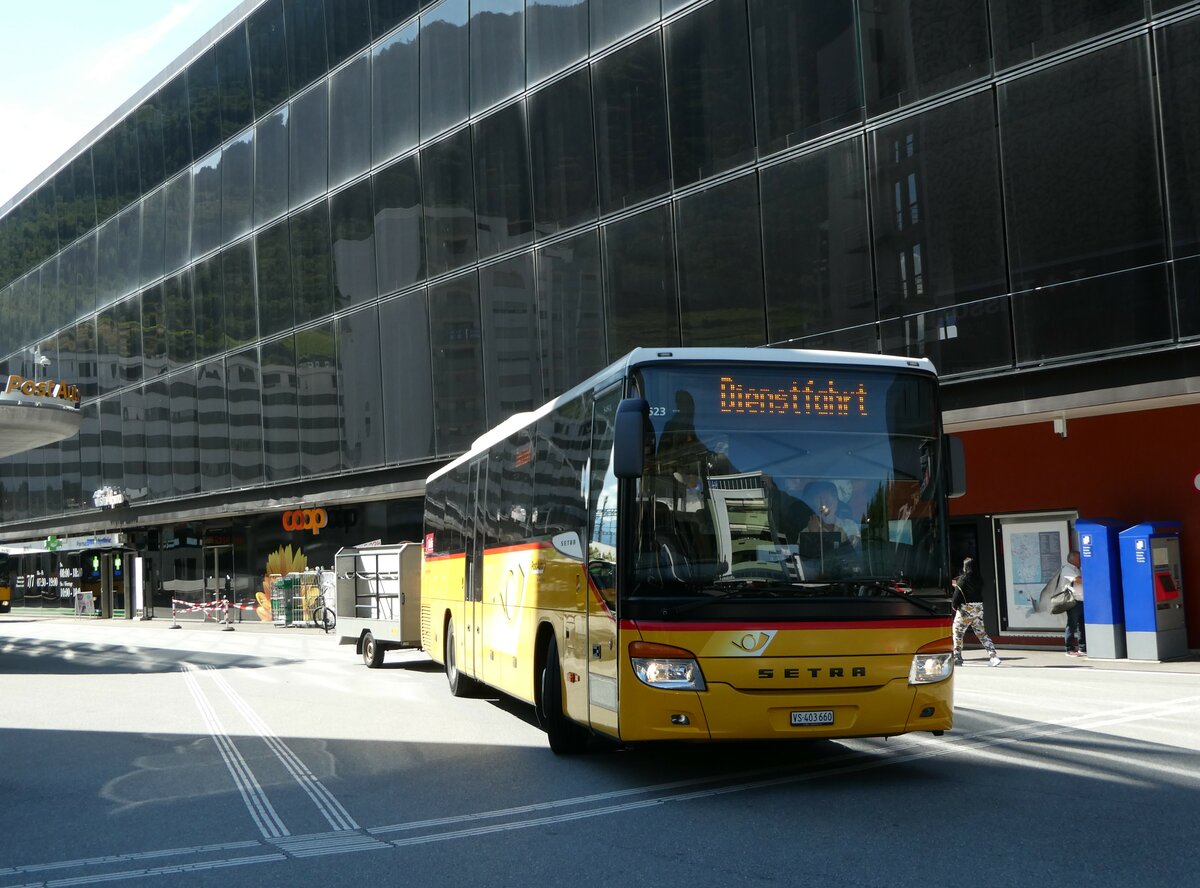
pixel 765 624
pixel 449 557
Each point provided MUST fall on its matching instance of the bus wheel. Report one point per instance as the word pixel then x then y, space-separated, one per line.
pixel 372 653
pixel 460 685
pixel 566 737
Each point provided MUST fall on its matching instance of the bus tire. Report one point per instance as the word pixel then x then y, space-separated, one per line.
pixel 566 737
pixel 372 651
pixel 460 685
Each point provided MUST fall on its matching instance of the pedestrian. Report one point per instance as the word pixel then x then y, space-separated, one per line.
pixel 968 612
pixel 1072 579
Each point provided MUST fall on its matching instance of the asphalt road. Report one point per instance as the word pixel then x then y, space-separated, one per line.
pixel 135 754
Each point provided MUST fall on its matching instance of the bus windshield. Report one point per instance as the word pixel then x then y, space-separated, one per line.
pixel 765 482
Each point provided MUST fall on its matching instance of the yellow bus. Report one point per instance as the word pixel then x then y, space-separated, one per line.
pixel 705 544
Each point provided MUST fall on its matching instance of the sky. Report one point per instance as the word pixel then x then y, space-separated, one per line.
pixel 65 65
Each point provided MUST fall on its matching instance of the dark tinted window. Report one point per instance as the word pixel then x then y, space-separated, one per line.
pixel 556 35
pixel 205 102
pixel 915 49
pixel 206 205
pixel 359 389
pixel 386 14
pixel 243 385
pixel 268 56
pixel 504 210
pixel 129 339
pixel 937 222
pixel 563 152
pixel 237 275
pixel 570 312
pixel 133 444
pixel 708 85
pixel 497 51
pixel 106 350
pixel 445 90
pixel 720 266
pixel 348 26
pixel 408 377
pixel 962 339
pixel 1179 83
pixel 129 183
pixel 150 144
pixel 207 293
pixel 350 121
pixel 177 209
pixel 352 225
pixel 816 244
pixel 395 77
pixel 512 369
pixel 458 388
pixel 180 319
pixel 613 19
pixel 308 129
pixel 632 150
pixel 312 264
pixel 271 167
pixel 274 268
pixel 154 335
pixel 305 29
pixel 399 226
pixel 176 125
pixel 185 453
pixel 237 187
pixel 112 465
pixel 1081 177
pixel 237 101
pixel 213 424
pixel 806 71
pixel 104 171
pixel 281 442
pixel 449 199
pixel 1026 29
pixel 639 278
pixel 316 375
pixel 157 406
pixel 562 450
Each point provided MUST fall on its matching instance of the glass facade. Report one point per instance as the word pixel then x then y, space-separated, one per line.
pixel 349 236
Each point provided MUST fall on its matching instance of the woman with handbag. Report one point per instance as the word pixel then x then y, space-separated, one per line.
pixel 968 612
pixel 1072 581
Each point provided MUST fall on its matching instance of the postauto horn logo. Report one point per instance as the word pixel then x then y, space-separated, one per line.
pixel 305 519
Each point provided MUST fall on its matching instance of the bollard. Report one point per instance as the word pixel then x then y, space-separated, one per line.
pixel 174 621
pixel 228 627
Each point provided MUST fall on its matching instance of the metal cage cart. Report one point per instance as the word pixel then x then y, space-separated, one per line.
pixel 379 599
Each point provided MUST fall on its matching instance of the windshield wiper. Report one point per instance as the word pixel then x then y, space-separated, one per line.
pixel 890 587
pixel 712 594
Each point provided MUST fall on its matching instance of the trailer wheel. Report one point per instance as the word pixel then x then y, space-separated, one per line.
pixel 372 653
pixel 460 685
pixel 566 737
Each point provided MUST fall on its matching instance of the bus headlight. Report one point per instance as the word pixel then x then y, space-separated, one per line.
pixel 933 662
pixel 666 667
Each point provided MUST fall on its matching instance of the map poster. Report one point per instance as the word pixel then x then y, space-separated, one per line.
pixel 1034 550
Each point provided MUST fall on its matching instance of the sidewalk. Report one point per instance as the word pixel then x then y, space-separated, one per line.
pixel 1046 658
pixel 162 620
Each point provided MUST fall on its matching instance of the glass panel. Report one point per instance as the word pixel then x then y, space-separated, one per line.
pixel 708 89
pixel 936 210
pixel 720 266
pixel 206 205
pixel 244 387
pixel 570 312
pixel 271 167
pixel 312 280
pixel 85 193
pixel 129 181
pixel 66 206
pixel 153 233
pixel 106 264
pixel 408 378
pixel 806 71
pixel 962 339
pixel 237 187
pixel 352 225
pixel 359 389
pixel 639 278
pixel 458 390
pixel 177 244
pixel 273 252
pixel 129 246
pixel 112 457
pixel 1081 170
pixel 1129 308
pixel 386 14
pixel 445 81
pixel 179 319
pixel 308 129
pixel 237 275
pixel 317 381
pixel 176 126
pixel 129 339
pixel 395 76
pixel 1179 84
pixel 185 453
pixel 816 243
pixel 512 369
pixel 497 51
pixel 399 226
pixel 563 153
pixel 133 426
pixel 204 103
pixel 281 442
pixel 1187 296
pixel 90 478
pixel 915 49
pixel 348 26
pixel 306 54
pixel 268 56
pixel 1028 29
pixel 107 349
pixel 233 64
pixel 614 19
pixel 556 36
pixel 449 199
pixel 213 426
pixel 632 150
pixel 150 144
pixel 104 171
pixel 154 334
pixel 210 307
pixel 85 358
pixel 350 121
pixel 504 214
pixel 159 469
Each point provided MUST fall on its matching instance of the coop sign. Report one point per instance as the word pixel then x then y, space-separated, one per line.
pixel 305 519
pixel 42 388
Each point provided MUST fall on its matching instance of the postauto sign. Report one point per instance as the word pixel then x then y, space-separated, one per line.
pixel 305 519
pixel 41 388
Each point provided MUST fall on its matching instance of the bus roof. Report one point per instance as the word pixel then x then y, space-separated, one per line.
pixel 642 356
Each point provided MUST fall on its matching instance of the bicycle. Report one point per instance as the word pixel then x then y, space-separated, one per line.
pixel 322 615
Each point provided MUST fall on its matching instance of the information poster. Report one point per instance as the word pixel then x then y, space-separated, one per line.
pixel 1034 550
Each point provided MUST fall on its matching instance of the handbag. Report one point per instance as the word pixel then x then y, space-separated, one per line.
pixel 1061 602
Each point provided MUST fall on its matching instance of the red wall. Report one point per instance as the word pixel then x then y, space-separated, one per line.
pixel 1132 467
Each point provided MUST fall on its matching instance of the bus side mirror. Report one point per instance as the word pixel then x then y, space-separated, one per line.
pixel 958 465
pixel 629 443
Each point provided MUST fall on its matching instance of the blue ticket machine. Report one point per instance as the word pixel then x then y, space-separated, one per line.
pixel 1104 604
pixel 1152 580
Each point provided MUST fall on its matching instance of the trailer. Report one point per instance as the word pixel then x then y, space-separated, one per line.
pixel 379 599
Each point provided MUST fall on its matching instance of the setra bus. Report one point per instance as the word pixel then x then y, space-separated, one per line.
pixel 705 544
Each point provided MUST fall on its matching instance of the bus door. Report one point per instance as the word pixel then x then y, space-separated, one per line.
pixel 472 662
pixel 601 554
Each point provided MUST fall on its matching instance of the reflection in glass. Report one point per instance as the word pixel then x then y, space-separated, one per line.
pixel 317 383
pixel 273 253
pixel 563 152
pixel 204 103
pixel 1026 29
pixel 129 339
pixel 90 477
pixel 133 445
pixel 961 339
pixel 233 63
pixel 497 42
pixel 458 388
pixel 639 279
pixel 445 89
pixel 176 126
pixel 512 369
pixel 348 29
pixel 154 333
pixel 504 212
pixel 399 225
pixel 185 453
pixel 305 29
pixel 281 442
pixel 386 14
pixel 352 226
pixel 556 36
pixel 1178 47
pixel 570 312
pixel 237 276
pixel 177 243
pixel 112 457
pixel 213 426
pixel 359 389
pixel 308 128
pixel 268 56
pixel 206 205
pixel 153 232
pixel 312 280
pixel 237 187
pixel 106 351
pixel 407 376
pixel 614 19
pixel 243 387
pixel 449 198
pixel 150 145
pixel 350 120
pixel 271 167
pixel 180 319
pixel 158 439
pixel 209 303
pixel 395 77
